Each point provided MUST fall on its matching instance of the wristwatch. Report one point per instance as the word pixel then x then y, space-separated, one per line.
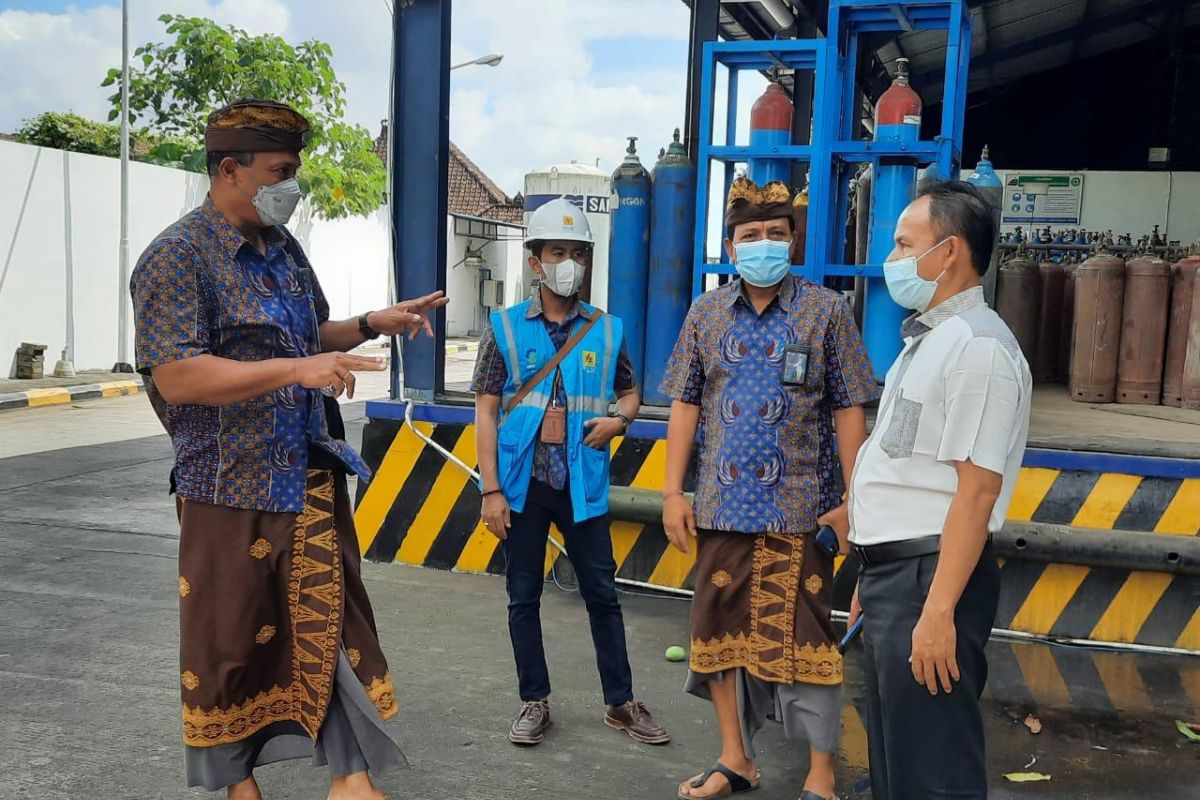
pixel 365 328
pixel 624 419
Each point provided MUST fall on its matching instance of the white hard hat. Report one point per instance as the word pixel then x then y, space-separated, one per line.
pixel 559 219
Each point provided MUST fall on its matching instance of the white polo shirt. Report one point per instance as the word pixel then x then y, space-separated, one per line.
pixel 959 390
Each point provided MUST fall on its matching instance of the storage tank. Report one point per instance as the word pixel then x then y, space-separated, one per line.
pixel 1018 296
pixel 1143 331
pixel 1191 360
pixel 672 245
pixel 590 189
pixel 1183 278
pixel 629 254
pixel 1066 327
pixel 1099 299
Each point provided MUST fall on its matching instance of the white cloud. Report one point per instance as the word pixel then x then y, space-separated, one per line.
pixel 558 95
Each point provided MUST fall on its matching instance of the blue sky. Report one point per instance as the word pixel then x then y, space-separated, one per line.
pixel 577 78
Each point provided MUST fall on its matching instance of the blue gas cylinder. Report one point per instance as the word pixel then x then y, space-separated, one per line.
pixel 629 254
pixel 672 229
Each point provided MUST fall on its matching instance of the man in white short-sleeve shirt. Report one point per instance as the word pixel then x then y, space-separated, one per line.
pixel 930 484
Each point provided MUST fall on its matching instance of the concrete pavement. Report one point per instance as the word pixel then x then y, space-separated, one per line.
pixel 89 669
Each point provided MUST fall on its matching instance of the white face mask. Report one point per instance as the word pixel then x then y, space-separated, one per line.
pixel 563 278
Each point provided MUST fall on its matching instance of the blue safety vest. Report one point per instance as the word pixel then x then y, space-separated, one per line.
pixel 588 373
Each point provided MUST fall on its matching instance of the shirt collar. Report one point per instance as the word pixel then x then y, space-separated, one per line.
pixel 951 307
pixel 229 238
pixel 788 293
pixel 535 309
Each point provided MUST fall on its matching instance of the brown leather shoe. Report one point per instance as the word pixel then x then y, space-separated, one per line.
pixel 636 720
pixel 529 728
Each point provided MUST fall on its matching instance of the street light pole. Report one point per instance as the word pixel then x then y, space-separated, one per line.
pixel 123 301
pixel 490 60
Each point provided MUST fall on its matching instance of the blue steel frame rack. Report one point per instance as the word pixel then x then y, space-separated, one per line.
pixel 833 147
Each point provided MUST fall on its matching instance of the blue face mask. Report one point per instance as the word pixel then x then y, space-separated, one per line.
pixel 905 284
pixel 763 263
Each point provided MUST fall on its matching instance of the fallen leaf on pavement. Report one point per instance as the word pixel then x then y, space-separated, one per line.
pixel 1034 724
pixel 1026 777
pixel 1188 729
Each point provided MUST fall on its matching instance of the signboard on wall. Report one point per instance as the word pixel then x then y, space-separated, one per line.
pixel 1031 197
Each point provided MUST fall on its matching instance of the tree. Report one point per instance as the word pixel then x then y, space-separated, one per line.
pixel 67 131
pixel 180 82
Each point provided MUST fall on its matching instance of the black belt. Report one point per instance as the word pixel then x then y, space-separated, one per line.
pixel 895 551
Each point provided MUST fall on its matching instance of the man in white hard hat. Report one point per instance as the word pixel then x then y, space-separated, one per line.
pixel 548 371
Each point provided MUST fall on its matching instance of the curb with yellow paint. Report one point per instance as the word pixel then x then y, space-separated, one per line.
pixel 421 509
pixel 35 398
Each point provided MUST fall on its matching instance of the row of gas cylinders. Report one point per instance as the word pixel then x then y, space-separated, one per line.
pixel 651 243
pixel 1113 331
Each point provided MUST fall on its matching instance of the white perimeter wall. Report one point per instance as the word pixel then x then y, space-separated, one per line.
pixel 1134 202
pixel 350 256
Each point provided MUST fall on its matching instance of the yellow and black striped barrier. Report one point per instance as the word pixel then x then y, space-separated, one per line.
pixel 422 509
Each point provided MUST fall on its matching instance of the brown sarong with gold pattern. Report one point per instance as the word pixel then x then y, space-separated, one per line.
pixel 266 600
pixel 762 603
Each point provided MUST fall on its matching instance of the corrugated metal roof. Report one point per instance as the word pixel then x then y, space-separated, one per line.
pixel 1011 38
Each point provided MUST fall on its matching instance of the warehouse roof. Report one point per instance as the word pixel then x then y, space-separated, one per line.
pixel 1011 38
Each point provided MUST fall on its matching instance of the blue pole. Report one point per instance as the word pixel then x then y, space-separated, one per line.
pixel 420 149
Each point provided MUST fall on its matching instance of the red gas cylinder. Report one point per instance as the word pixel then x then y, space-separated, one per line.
pixel 1191 361
pixel 900 104
pixel 1018 288
pixel 1066 327
pixel 1143 330
pixel 772 110
pixel 1099 299
pixel 1045 361
pixel 1183 277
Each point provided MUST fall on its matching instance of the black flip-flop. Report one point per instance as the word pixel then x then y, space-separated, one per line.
pixel 808 794
pixel 737 783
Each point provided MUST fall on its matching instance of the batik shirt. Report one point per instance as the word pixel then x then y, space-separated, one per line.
pixel 768 460
pixel 549 461
pixel 202 288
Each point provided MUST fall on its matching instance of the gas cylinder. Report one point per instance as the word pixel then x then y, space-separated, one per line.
pixel 1018 296
pixel 672 228
pixel 1045 362
pixel 771 126
pixel 629 254
pixel 990 186
pixel 1066 320
pixel 897 121
pixel 1099 298
pixel 1191 360
pixel 799 226
pixel 1143 330
pixel 1183 277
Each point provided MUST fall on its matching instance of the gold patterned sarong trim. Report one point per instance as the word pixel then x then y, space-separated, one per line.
pixel 820 665
pixel 383 695
pixel 224 726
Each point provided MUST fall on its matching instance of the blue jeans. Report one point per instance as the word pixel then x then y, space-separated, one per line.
pixel 589 546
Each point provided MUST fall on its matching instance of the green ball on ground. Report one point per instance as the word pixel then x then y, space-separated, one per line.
pixel 676 653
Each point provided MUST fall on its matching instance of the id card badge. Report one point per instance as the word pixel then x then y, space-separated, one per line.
pixel 554 425
pixel 795 365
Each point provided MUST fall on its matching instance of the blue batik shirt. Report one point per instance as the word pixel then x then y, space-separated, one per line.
pixel 202 288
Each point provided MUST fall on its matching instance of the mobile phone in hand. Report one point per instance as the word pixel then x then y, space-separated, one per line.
pixel 827 540
pixel 852 633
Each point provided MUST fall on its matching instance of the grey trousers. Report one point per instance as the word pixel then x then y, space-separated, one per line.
pixel 922 746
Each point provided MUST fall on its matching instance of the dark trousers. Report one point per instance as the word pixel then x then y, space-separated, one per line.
pixel 589 546
pixel 922 746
